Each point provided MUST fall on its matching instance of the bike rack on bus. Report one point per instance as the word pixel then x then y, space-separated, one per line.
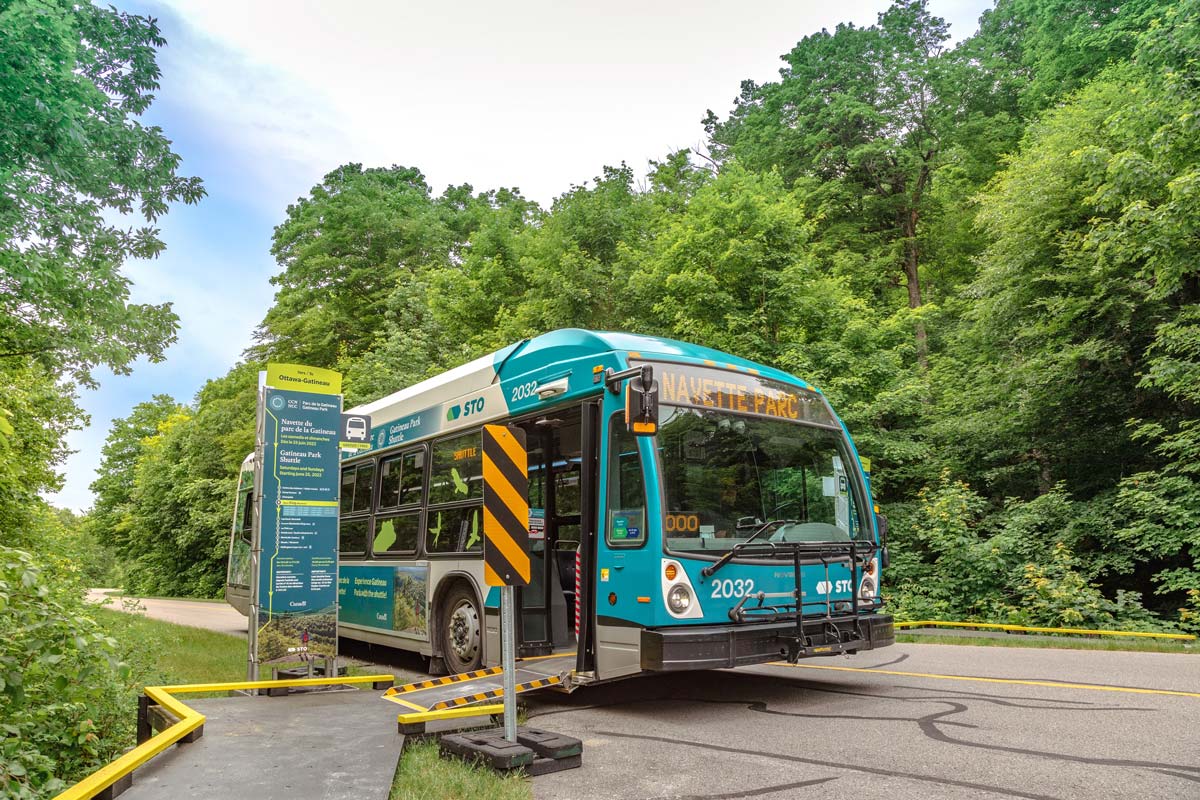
pixel 816 630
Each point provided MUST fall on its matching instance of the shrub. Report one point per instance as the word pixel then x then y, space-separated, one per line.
pixel 66 704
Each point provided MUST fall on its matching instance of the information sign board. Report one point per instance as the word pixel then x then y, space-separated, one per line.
pixel 296 577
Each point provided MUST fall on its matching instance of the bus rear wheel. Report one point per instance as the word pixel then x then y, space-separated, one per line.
pixel 462 630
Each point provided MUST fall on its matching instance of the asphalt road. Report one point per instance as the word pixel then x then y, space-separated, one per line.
pixel 911 721
pixel 195 613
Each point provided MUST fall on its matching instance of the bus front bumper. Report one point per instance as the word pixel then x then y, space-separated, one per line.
pixel 739 645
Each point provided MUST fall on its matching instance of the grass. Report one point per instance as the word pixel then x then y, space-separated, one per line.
pixel 424 775
pixel 1055 642
pixel 168 654
pixel 178 653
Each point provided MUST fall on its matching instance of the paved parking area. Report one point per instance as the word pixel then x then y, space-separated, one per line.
pixel 927 721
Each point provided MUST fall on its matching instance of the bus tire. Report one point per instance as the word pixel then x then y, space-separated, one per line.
pixel 461 630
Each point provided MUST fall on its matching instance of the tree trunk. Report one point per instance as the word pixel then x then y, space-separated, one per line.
pixel 909 218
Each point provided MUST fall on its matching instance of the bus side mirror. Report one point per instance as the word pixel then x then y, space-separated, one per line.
pixel 641 403
pixel 881 523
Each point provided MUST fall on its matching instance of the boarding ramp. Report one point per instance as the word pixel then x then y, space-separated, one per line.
pixel 468 694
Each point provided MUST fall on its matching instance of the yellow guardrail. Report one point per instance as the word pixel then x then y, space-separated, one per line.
pixel 993 626
pixel 189 720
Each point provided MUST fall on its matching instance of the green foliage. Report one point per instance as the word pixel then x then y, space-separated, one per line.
pixel 164 501
pixel 983 255
pixel 115 477
pixel 1038 51
pixel 1055 594
pixel 342 248
pixel 957 562
pixel 65 697
pixel 36 412
pixel 72 153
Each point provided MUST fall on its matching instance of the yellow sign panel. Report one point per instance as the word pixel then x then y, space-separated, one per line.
pixel 304 379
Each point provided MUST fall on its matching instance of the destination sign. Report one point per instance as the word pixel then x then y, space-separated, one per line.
pixel 740 393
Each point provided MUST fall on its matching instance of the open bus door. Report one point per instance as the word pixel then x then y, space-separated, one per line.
pixel 558 494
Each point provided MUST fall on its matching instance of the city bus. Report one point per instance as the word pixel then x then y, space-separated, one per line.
pixel 689 509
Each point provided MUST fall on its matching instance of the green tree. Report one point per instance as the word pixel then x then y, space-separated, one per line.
pixel 72 155
pixel 176 529
pixel 1039 51
pixel 442 314
pixel 36 413
pixel 1085 311
pixel 859 114
pixel 342 249
pixel 113 487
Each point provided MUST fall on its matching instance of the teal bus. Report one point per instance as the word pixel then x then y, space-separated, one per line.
pixel 689 509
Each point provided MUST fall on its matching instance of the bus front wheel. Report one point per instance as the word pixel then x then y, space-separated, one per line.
pixel 462 630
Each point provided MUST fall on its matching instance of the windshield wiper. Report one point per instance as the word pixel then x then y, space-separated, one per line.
pixel 733 551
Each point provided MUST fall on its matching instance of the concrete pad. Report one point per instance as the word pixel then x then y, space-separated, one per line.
pixel 330 745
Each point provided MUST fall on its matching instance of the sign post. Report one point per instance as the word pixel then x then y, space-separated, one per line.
pixel 294 559
pixel 506 542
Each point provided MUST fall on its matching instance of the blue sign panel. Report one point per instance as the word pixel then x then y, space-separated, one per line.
pixel 297 581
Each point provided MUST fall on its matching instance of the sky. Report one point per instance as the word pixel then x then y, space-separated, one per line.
pixel 263 98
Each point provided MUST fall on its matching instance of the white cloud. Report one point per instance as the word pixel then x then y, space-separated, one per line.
pixel 539 93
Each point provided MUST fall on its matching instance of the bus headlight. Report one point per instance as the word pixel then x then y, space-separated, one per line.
pixel 866 589
pixel 679 599
pixel 678 596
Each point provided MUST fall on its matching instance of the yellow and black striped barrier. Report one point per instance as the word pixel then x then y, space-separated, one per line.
pixel 468 694
pixel 995 626
pixel 446 681
pixel 505 506
pixel 493 694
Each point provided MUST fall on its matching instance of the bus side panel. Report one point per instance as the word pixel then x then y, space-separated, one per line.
pixel 385 602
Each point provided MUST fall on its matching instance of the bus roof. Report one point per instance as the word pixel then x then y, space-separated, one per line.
pixel 538 361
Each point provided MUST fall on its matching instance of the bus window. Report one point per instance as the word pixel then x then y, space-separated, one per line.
pixel 401 479
pixel 248 517
pixel 357 485
pixel 413 478
pixel 347 497
pixel 353 536
pixel 626 489
pixel 396 534
pixel 454 530
pixel 457 472
pixel 725 476
pixel 364 482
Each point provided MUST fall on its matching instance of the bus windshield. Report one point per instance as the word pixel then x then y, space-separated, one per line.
pixel 726 475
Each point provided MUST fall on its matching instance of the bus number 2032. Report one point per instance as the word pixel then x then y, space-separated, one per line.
pixel 523 391
pixel 732 588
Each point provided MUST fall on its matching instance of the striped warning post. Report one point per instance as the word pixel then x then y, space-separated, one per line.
pixel 578 580
pixel 505 506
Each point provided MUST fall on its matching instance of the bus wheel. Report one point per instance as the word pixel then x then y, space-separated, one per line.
pixel 462 631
